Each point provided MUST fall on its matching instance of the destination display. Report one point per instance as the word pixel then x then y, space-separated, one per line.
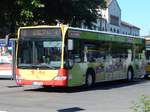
pixel 40 32
pixel 74 34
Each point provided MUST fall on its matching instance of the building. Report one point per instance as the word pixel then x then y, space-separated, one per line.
pixel 110 21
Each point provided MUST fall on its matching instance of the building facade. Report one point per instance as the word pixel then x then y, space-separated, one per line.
pixel 110 21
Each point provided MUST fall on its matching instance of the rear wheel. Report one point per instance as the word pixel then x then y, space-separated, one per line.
pixel 146 76
pixel 130 75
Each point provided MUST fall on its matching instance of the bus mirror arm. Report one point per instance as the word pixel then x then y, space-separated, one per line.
pixel 70 63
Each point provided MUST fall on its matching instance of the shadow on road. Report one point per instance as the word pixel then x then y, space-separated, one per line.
pixel 98 86
pixel 73 109
pixel 6 78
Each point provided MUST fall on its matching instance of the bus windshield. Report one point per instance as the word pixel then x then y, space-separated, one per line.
pixel 39 53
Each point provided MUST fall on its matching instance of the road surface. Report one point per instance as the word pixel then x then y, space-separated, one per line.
pixel 115 96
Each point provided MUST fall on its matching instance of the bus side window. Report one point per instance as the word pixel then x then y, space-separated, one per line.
pixel 75 54
pixel 91 57
pixel 96 51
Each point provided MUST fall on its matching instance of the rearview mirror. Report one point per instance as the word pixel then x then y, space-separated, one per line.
pixel 70 44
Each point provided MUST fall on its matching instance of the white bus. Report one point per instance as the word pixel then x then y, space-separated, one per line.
pixel 7 59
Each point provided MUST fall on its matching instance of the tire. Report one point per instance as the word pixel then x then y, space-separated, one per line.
pixel 146 76
pixel 130 75
pixel 46 87
pixel 89 79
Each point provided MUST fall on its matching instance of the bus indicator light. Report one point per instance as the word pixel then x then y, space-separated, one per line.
pixel 62 72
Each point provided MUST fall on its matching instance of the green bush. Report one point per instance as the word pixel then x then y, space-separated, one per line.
pixel 143 105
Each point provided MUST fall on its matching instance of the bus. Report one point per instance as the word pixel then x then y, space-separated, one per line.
pixel 7 55
pixel 147 39
pixel 65 56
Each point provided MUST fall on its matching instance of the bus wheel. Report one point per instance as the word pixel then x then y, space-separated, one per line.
pixel 89 79
pixel 130 75
pixel 46 87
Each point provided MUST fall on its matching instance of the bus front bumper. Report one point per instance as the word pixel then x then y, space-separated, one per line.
pixel 52 83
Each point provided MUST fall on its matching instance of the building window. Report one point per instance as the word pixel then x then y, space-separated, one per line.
pixel 114 20
pixel 117 31
pixel 103 29
pixel 114 30
pixel 110 29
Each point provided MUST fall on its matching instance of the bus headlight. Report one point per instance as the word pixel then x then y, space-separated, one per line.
pixel 60 78
pixel 19 78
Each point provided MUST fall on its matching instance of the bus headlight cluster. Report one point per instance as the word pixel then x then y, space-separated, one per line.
pixel 19 79
pixel 60 78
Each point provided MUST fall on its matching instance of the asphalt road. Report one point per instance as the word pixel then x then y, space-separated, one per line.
pixel 117 96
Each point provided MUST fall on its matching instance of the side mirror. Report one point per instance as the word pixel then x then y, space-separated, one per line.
pixel 71 63
pixel 70 45
pixel 7 40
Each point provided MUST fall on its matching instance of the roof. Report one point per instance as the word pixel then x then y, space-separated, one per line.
pixel 129 25
pixel 108 2
pixel 147 37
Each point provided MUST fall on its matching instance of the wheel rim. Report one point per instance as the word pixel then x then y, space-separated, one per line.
pixel 129 75
pixel 89 80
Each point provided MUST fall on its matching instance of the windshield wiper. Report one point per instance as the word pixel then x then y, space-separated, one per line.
pixel 42 66
pixel 45 66
pixel 24 66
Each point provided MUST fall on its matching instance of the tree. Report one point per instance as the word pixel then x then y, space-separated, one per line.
pixel 28 10
pixel 143 105
pixel 71 12
pixel 8 16
pixel 15 13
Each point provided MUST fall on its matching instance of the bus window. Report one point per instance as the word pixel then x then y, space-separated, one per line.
pixel 97 51
pixel 25 54
pixel 76 54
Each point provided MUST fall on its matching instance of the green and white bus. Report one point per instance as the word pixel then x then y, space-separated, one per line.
pixel 67 56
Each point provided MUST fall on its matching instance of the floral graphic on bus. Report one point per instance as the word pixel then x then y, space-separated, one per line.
pixel 5 55
pixel 6 59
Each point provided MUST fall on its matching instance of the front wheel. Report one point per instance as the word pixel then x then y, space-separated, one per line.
pixel 46 86
pixel 89 79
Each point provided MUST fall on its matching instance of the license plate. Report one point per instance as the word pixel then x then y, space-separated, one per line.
pixel 37 83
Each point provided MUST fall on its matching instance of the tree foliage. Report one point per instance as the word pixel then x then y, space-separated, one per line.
pixel 16 13
pixel 28 10
pixel 8 15
pixel 143 105
pixel 71 12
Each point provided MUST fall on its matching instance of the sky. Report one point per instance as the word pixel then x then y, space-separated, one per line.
pixel 136 12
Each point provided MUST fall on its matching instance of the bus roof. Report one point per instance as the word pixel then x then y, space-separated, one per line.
pixel 104 32
pixel 79 29
pixel 39 26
